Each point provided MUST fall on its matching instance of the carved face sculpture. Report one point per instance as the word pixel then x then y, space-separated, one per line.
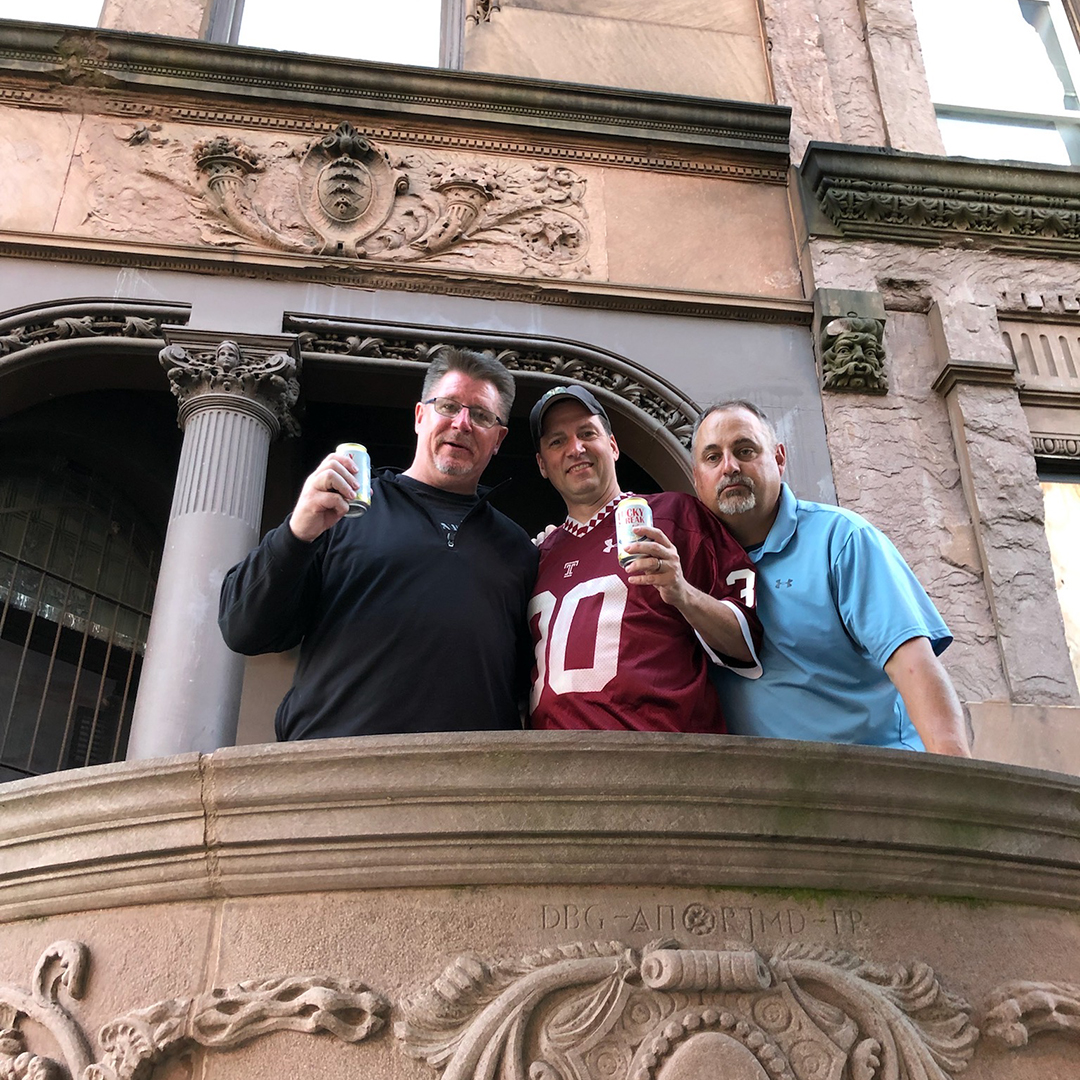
pixel 344 189
pixel 855 355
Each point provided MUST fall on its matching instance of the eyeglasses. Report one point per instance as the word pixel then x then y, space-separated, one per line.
pixel 478 415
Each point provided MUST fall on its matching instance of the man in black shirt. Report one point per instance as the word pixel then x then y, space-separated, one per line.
pixel 411 617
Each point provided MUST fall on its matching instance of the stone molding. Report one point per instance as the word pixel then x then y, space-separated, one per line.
pixel 90 59
pixel 576 808
pixel 972 371
pixel 282 266
pixel 869 192
pixel 258 374
pixel 1056 447
pixel 90 319
pixel 660 406
pixel 587 148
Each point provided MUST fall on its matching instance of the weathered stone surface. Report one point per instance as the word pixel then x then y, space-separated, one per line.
pixel 693 233
pixel 900 77
pixel 37 149
pixel 710 50
pixel 329 942
pixel 1038 736
pixel 177 18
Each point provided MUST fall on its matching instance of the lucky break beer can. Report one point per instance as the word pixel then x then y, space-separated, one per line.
pixel 360 502
pixel 629 514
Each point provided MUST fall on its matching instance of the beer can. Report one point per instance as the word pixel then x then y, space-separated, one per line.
pixel 361 500
pixel 629 514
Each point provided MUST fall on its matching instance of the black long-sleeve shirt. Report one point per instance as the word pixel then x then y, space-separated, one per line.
pixel 403 625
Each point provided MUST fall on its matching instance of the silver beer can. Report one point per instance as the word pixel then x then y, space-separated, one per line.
pixel 361 500
pixel 629 514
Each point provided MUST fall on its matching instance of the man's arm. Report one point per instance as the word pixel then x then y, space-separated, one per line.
pixel 929 697
pixel 714 620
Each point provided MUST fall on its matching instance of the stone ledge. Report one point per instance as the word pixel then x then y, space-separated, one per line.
pixel 882 194
pixel 112 61
pixel 537 807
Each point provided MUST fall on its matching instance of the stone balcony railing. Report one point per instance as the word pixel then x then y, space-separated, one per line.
pixel 544 905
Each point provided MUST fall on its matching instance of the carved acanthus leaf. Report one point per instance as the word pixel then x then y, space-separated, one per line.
pixel 134 1044
pixel 1017 1010
pixel 84 326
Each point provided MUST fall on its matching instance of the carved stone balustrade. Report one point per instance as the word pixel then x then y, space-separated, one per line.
pixel 580 906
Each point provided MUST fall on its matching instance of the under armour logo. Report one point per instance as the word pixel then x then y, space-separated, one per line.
pixel 609 546
pixel 570 567
pixel 781 584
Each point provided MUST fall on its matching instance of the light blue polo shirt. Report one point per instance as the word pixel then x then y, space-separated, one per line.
pixel 836 600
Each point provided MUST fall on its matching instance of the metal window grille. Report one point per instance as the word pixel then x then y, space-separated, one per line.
pixel 77 575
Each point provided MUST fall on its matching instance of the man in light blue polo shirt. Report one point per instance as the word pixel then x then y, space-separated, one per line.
pixel 851 638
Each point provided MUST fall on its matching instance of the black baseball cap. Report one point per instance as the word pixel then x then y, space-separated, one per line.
pixel 553 397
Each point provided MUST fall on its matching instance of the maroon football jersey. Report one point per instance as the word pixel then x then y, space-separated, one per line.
pixel 614 655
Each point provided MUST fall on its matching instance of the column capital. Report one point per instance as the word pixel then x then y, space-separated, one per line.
pixel 253 373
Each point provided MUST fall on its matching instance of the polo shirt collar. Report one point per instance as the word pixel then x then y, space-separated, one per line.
pixel 783 528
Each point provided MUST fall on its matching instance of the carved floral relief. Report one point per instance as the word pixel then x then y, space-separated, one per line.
pixel 349 198
pixel 598 1010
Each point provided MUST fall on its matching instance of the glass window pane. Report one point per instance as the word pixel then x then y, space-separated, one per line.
pixel 986 54
pixel 1002 142
pixel 68 12
pixel 1062 502
pixel 405 32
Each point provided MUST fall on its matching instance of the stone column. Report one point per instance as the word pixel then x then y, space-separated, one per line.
pixel 997 468
pixel 235 397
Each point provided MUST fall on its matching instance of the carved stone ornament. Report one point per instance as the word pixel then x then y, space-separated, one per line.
pixel 668 410
pixel 596 1010
pixel 266 378
pixel 133 1044
pixel 853 355
pixel 1056 446
pixel 480 10
pixel 1017 1010
pixel 32 332
pixel 351 199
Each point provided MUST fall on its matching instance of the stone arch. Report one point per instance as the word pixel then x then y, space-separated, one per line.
pixel 82 344
pixel 654 421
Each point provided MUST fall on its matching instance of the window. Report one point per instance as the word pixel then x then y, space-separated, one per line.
pixel 1004 76
pixel 1061 498
pixel 404 32
pixel 77 579
pixel 66 12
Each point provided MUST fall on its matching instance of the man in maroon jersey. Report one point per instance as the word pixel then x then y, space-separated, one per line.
pixel 626 649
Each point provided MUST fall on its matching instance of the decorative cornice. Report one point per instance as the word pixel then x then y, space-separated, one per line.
pixel 108 60
pixel 882 194
pixel 282 266
pixel 1056 446
pixel 87 319
pixel 619 380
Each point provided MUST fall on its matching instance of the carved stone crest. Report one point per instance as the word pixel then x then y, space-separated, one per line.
pixel 133 1044
pixel 355 200
pixel 602 1010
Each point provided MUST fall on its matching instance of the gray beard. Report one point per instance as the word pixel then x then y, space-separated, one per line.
pixel 741 504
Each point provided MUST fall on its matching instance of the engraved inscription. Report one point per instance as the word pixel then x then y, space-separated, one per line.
pixel 750 924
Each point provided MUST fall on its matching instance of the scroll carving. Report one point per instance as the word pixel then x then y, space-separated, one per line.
pixel 600 1009
pixel 22 337
pixel 1018 1010
pixel 134 1044
pixel 853 355
pixel 268 378
pixel 480 10
pixel 348 198
pixel 669 411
